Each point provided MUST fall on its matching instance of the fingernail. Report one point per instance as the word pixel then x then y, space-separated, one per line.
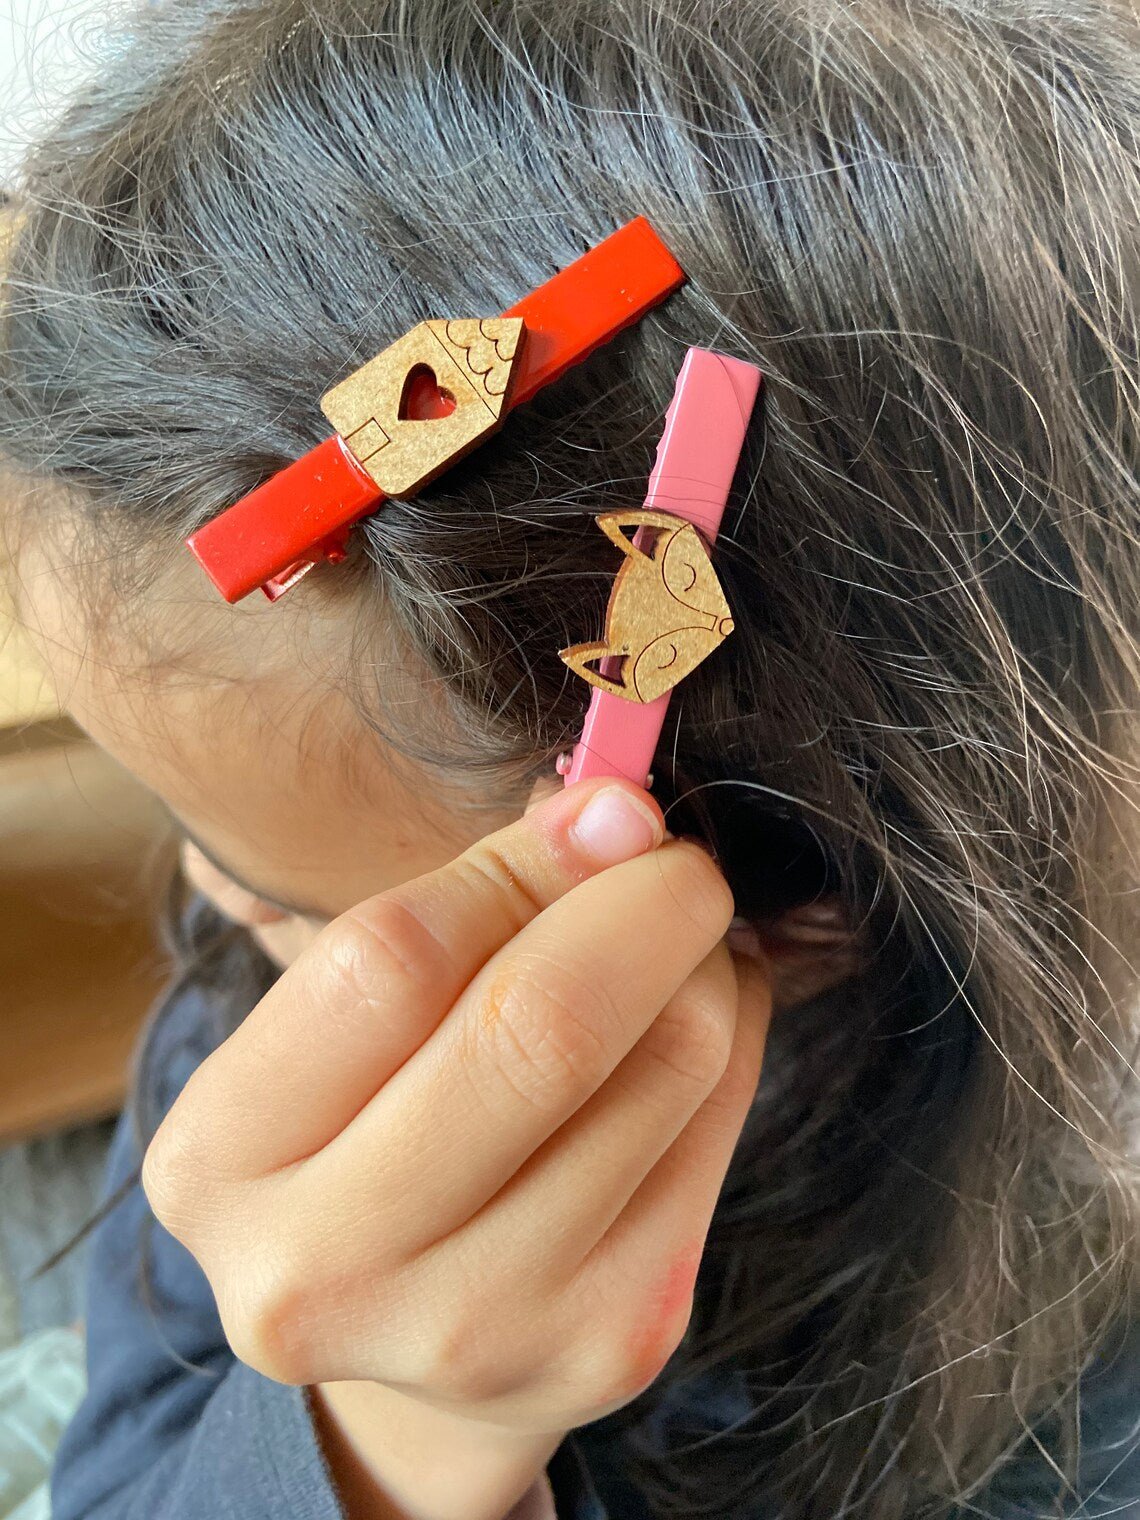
pixel 614 826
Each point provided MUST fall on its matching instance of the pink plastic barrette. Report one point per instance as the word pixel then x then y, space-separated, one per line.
pixel 667 611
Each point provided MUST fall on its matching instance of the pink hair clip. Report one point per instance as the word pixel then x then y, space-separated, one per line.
pixel 667 611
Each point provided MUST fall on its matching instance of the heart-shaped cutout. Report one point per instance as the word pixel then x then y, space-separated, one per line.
pixel 423 398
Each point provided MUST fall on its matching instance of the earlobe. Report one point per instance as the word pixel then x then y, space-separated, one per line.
pixel 807 952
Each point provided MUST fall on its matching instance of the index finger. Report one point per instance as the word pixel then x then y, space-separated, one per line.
pixel 377 982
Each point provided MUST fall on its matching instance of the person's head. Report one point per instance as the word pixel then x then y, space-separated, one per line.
pixel 921 221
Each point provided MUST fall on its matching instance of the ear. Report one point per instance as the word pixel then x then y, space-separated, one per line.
pixel 802 976
pixel 808 950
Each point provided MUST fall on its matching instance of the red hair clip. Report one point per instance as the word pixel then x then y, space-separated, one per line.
pixel 667 611
pixel 423 403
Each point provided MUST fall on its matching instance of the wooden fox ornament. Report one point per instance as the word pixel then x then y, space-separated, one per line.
pixel 667 611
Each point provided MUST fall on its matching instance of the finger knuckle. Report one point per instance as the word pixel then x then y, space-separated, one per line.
pixel 544 1034
pixel 159 1177
pixel 631 1363
pixel 266 1315
pixel 656 1354
pixel 693 1037
pixel 170 1178
pixel 634 1332
pixel 463 1359
pixel 487 867
pixel 373 953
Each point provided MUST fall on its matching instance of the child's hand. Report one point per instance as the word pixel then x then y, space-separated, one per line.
pixel 470 1143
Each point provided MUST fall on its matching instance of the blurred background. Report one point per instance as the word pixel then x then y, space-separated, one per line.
pixel 84 858
pixel 46 49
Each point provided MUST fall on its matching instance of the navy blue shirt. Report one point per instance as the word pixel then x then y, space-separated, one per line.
pixel 174 1427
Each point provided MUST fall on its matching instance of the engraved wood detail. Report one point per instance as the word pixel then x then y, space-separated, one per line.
pixel 667 611
pixel 427 399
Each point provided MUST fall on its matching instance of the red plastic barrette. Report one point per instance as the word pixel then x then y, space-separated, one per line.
pixel 423 403
pixel 667 611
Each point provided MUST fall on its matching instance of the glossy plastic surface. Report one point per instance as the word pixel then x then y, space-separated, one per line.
pixel 278 531
pixel 591 301
pixel 271 537
pixel 696 461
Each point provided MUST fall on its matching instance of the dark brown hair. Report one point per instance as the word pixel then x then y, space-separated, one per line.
pixel 920 217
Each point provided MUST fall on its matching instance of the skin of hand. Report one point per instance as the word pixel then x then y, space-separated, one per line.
pixel 240 719
pixel 456 1170
pixel 807 950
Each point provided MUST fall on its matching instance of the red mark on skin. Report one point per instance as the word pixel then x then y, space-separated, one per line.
pixel 653 1341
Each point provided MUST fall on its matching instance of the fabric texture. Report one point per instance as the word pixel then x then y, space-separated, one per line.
pixel 173 1427
pixel 41 1383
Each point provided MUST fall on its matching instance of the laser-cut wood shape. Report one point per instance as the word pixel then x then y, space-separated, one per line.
pixel 667 611
pixel 404 432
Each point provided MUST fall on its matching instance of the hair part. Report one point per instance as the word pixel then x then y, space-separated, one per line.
pixel 921 220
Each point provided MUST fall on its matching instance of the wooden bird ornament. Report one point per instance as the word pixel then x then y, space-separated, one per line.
pixel 667 611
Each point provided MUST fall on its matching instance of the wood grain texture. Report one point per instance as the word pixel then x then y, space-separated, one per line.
pixel 667 611
pixel 472 361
